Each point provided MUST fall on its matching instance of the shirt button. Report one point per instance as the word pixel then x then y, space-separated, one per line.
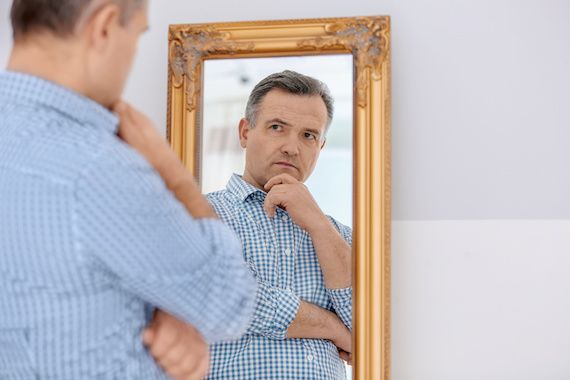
pixel 288 252
pixel 310 358
pixel 284 218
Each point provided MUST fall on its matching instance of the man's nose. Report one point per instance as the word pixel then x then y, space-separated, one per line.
pixel 290 146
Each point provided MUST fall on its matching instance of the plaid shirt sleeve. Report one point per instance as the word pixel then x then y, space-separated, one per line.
pixel 275 309
pixel 191 268
pixel 342 298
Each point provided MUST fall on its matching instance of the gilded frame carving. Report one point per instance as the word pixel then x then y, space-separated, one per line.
pixel 368 40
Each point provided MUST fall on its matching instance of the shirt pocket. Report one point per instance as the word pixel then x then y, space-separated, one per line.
pixel 16 359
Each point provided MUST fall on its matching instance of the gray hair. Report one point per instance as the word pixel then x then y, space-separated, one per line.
pixel 59 16
pixel 294 83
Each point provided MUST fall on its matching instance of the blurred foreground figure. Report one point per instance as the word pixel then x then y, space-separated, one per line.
pixel 105 241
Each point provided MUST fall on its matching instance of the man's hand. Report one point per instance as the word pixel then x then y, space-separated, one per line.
pixel 315 322
pixel 177 347
pixel 287 192
pixel 342 338
pixel 138 131
pixel 347 357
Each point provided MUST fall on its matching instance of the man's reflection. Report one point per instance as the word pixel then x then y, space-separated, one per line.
pixel 300 257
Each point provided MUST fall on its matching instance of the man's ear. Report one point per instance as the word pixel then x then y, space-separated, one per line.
pixel 243 131
pixel 323 144
pixel 102 24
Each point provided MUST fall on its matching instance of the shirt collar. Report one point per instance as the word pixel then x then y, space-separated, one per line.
pixel 35 91
pixel 242 189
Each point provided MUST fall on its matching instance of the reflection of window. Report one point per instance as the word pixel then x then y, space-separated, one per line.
pixel 223 140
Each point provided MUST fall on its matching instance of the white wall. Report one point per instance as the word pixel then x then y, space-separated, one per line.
pixel 481 299
pixel 481 125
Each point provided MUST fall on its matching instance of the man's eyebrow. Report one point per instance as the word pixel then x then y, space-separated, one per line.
pixel 278 121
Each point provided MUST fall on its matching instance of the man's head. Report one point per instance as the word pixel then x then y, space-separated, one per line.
pixel 285 124
pixel 95 41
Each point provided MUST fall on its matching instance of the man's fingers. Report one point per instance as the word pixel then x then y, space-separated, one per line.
pixel 204 367
pixel 196 366
pixel 279 179
pixel 148 336
pixel 119 107
pixel 272 200
pixel 189 368
pixel 269 208
pixel 164 340
pixel 345 356
pixel 175 355
pixel 126 122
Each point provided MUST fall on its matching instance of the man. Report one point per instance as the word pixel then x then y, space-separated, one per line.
pixel 92 240
pixel 300 257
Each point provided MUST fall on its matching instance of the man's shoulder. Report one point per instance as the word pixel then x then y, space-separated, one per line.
pixel 224 203
pixel 117 162
pixel 337 222
pixel 343 229
pixel 222 198
pixel 40 142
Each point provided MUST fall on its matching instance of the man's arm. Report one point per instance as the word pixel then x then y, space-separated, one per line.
pixel 123 207
pixel 333 251
pixel 137 131
pixel 331 242
pixel 342 297
pixel 315 322
pixel 281 314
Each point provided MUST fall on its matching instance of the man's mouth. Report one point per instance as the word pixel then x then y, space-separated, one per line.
pixel 285 164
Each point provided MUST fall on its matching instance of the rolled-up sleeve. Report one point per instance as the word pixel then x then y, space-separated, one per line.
pixel 132 228
pixel 342 304
pixel 342 298
pixel 276 308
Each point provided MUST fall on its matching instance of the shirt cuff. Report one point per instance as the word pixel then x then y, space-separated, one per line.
pixel 342 304
pixel 275 311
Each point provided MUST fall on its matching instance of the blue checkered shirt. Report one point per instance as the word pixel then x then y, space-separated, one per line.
pixel 282 257
pixel 91 240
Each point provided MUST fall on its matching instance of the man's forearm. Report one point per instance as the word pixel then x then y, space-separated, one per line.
pixel 334 255
pixel 180 181
pixel 315 322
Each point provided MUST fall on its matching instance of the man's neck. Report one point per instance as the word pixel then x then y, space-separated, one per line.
pixel 249 179
pixel 50 59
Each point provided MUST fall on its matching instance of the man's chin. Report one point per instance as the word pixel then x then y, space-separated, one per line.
pixel 281 169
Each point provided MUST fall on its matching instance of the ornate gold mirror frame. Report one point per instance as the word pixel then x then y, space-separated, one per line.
pixel 368 40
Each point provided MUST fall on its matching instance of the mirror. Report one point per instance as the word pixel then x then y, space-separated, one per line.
pixel 212 70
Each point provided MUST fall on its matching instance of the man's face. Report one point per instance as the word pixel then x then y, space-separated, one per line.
pixel 114 58
pixel 287 137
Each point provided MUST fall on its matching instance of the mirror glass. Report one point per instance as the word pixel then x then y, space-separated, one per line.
pixel 226 88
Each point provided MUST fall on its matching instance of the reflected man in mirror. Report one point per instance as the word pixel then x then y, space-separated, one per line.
pixel 300 257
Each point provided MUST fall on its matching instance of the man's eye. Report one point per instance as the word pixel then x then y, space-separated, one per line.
pixel 275 127
pixel 310 136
